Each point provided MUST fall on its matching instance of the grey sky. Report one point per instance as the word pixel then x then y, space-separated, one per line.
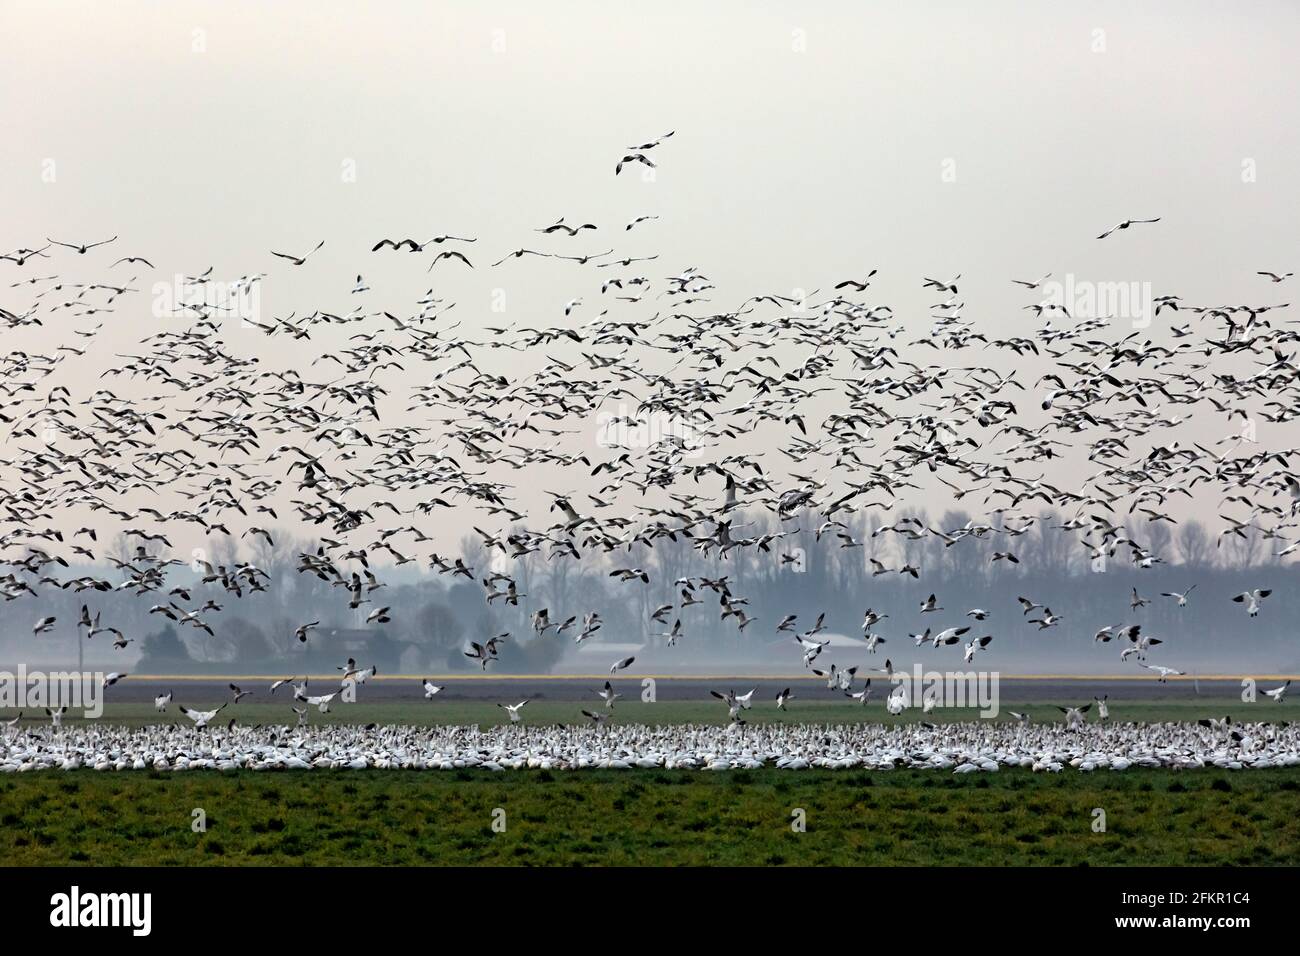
pixel 814 142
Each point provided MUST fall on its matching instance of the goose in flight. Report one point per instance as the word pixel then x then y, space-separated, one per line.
pixel 655 142
pixel 1273 276
pixel 44 626
pixel 112 678
pixel 561 226
pixel 276 685
pixel 478 652
pixel 1047 620
pixel 1253 599
pixel 239 694
pixel 449 254
pixel 1125 225
pixel 80 249
pixel 1163 673
pixel 783 698
pixel 161 701
pixel 608 695
pixel 430 689
pixel 1074 718
pixel 930 605
pixel 1028 605
pixel 641 158
pixel 949 635
pixel 1277 693
pixel 513 711
pixel 1180 598
pixel 298 260
pixel 624 664
pixel 1103 708
pixel 201 717
pixel 1031 286
pixel 976 644
pixel 1137 601
pixel 320 701
pixel 861 696
pixel 810 649
pixel 856 285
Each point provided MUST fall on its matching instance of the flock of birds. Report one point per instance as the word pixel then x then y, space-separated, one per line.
pixel 821 407
pixel 961 748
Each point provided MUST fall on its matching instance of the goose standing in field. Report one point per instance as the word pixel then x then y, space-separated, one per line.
pixel 897 701
pixel 1103 708
pixel 161 701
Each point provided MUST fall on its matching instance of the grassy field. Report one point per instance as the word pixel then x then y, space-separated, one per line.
pixel 541 710
pixel 1153 817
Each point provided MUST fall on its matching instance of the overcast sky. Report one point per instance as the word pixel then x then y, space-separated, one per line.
pixel 814 142
pixel 812 137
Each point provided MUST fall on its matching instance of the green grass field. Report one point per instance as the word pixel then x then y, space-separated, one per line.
pixel 541 710
pixel 651 817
